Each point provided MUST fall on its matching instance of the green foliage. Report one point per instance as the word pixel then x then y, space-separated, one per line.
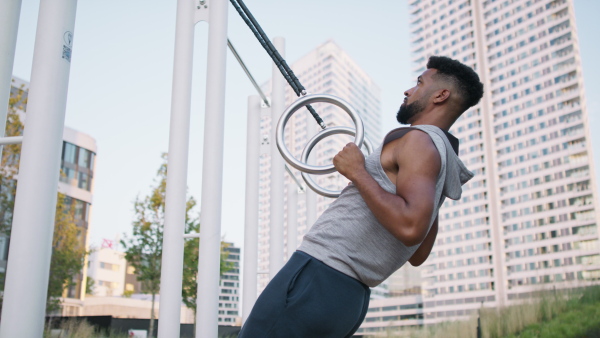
pixel 89 285
pixel 143 250
pixel 9 163
pixel 190 261
pixel 189 289
pixel 68 253
pixel 572 313
pixel 580 318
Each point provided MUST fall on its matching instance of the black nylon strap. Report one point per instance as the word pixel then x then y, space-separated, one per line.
pixel 283 67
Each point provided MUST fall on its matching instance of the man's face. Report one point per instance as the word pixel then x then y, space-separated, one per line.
pixel 416 98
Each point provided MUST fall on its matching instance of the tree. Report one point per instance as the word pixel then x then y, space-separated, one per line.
pixel 9 164
pixel 90 285
pixel 143 250
pixel 68 254
pixel 189 290
pixel 68 250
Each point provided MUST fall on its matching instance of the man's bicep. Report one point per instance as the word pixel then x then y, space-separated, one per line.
pixel 419 166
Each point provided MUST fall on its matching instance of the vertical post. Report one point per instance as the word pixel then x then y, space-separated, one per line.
pixel 35 204
pixel 479 330
pixel 277 168
pixel 175 199
pixel 9 25
pixel 311 196
pixel 251 226
pixel 212 173
pixel 292 219
pixel 311 208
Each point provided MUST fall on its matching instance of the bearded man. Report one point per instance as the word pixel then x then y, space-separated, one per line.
pixel 386 217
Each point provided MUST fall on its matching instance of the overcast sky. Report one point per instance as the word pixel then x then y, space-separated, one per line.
pixel 121 77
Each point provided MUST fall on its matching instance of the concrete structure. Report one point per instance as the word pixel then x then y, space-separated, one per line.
pixel 229 289
pixel 118 293
pixel 137 306
pixel 327 69
pixel 389 316
pixel 107 267
pixel 527 220
pixel 76 182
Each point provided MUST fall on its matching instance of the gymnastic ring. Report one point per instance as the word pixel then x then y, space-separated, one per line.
pixel 301 102
pixel 310 145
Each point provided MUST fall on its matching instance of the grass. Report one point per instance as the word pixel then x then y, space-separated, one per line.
pixel 581 322
pixel 581 318
pixel 552 314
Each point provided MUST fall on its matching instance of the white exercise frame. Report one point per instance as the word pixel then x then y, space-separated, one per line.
pixel 31 238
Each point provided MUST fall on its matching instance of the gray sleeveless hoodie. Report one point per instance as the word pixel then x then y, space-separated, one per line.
pixel 348 237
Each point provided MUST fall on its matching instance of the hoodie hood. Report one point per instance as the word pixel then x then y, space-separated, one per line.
pixel 456 174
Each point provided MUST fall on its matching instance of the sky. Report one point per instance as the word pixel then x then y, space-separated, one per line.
pixel 121 79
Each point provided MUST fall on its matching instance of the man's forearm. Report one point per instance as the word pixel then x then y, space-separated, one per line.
pixel 424 250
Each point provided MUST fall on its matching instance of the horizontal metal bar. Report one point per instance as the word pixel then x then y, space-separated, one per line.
pixel 11 140
pixel 247 71
pixel 191 235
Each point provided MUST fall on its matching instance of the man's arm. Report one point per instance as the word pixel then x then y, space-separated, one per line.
pixel 424 250
pixel 405 214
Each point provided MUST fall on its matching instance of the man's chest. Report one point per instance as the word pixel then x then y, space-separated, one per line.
pixel 389 162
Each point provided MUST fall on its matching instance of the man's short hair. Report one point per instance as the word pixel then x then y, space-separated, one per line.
pixel 463 77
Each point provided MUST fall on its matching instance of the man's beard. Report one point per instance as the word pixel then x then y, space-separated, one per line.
pixel 408 111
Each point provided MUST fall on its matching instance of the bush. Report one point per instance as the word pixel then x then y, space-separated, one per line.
pixel 574 313
pixel 76 328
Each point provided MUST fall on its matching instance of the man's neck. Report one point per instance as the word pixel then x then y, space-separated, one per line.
pixel 435 118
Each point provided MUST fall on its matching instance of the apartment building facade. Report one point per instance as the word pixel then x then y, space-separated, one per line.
pixel 229 288
pixel 527 220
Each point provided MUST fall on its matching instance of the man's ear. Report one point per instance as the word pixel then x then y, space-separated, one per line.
pixel 441 96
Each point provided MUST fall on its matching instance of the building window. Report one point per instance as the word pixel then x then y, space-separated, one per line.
pixel 77 165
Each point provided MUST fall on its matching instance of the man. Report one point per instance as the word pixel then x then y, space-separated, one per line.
pixel 384 218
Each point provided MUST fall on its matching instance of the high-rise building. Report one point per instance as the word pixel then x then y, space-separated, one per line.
pixel 527 220
pixel 229 288
pixel 76 183
pixel 325 70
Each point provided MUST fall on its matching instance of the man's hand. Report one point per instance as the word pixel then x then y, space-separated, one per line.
pixel 350 162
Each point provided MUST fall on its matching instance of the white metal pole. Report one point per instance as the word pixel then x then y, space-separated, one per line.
pixel 251 227
pixel 35 203
pixel 292 219
pixel 311 208
pixel 212 173
pixel 311 196
pixel 175 204
pixel 10 11
pixel 277 168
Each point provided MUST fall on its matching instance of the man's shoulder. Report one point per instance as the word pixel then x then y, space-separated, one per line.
pixel 415 148
pixel 414 139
